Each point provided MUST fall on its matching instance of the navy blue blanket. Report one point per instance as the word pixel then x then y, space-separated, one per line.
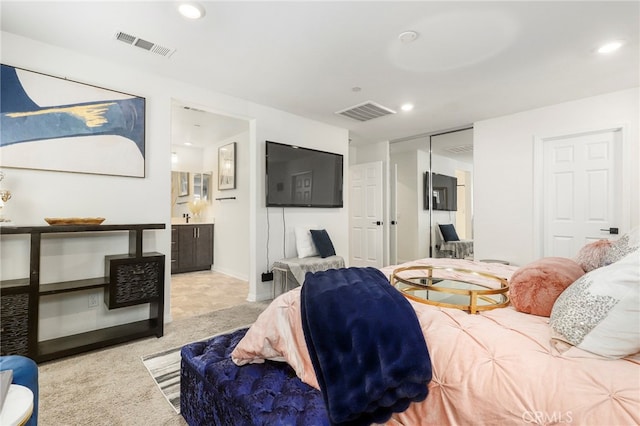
pixel 366 345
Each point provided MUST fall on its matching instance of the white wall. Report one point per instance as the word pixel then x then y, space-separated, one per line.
pixel 231 229
pixel 288 129
pixel 407 188
pixel 190 159
pixel 504 202
pixel 40 194
pixel 370 153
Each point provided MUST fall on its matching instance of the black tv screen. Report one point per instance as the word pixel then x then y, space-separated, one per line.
pixel 445 192
pixel 303 177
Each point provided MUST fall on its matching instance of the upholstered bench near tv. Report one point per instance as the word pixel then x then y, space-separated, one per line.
pixel 290 273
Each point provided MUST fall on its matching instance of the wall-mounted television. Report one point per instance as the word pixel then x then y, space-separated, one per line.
pixel 302 177
pixel 445 192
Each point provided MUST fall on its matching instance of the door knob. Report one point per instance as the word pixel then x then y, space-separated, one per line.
pixel 377 222
pixel 613 231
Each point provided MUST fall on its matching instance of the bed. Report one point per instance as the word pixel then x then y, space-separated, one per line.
pixel 500 366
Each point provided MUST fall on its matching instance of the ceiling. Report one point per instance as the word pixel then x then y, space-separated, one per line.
pixel 470 61
pixel 197 128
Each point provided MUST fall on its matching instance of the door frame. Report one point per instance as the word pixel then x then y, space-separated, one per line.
pixel 391 225
pixel 538 176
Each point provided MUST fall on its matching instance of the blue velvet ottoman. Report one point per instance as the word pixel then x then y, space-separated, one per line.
pixel 25 373
pixel 215 391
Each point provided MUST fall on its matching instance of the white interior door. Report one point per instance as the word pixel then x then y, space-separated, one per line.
pixel 581 190
pixel 366 227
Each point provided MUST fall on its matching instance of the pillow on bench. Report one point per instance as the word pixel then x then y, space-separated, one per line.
pixel 323 243
pixel 304 242
pixel 449 233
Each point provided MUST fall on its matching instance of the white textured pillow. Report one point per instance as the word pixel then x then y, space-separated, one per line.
pixel 600 312
pixel 304 242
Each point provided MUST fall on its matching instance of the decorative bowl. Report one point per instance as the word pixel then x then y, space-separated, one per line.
pixel 74 220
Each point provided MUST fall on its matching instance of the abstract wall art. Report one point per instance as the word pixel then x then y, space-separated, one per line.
pixel 51 123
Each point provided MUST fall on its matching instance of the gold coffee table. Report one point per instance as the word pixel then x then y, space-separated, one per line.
pixel 464 289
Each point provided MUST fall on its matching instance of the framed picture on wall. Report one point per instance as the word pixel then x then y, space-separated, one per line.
pixel 227 166
pixel 51 123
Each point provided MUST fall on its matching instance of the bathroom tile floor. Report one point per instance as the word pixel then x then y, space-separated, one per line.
pixel 196 293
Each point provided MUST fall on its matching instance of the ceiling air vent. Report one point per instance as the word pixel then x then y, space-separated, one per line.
pixel 144 44
pixel 366 111
pixel 462 149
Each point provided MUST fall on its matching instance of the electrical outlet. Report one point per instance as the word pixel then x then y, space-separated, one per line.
pixel 93 300
pixel 267 276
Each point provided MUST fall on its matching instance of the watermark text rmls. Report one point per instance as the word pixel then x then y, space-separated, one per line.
pixel 545 417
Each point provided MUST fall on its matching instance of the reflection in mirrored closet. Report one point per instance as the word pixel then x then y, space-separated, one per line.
pixel 431 184
pixel 450 184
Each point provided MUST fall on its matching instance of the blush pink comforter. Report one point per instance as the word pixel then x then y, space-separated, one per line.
pixel 493 368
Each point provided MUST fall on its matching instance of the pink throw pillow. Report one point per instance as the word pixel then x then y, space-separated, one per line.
pixel 534 288
pixel 593 255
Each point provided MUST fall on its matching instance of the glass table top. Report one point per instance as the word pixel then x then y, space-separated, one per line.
pixel 468 290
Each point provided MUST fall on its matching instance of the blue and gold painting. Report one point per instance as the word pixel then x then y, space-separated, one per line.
pixel 50 123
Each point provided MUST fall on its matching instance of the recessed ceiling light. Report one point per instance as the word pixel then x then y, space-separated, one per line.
pixel 611 46
pixel 191 10
pixel 188 143
pixel 407 107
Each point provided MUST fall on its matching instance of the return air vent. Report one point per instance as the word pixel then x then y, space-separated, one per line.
pixel 366 111
pixel 462 149
pixel 144 44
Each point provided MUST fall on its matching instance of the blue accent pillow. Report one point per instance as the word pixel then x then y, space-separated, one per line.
pixel 449 233
pixel 322 242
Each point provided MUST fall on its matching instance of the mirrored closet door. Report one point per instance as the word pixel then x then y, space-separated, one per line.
pixel 448 194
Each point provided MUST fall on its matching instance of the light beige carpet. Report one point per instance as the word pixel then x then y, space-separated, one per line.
pixel 112 386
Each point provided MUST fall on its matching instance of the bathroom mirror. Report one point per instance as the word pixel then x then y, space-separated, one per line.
pixel 179 186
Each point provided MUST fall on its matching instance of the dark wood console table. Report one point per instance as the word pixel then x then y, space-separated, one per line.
pixel 130 279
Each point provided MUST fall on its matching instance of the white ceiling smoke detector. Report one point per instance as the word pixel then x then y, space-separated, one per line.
pixel 408 36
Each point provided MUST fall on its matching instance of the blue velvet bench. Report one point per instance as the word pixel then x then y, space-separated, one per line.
pixel 215 391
